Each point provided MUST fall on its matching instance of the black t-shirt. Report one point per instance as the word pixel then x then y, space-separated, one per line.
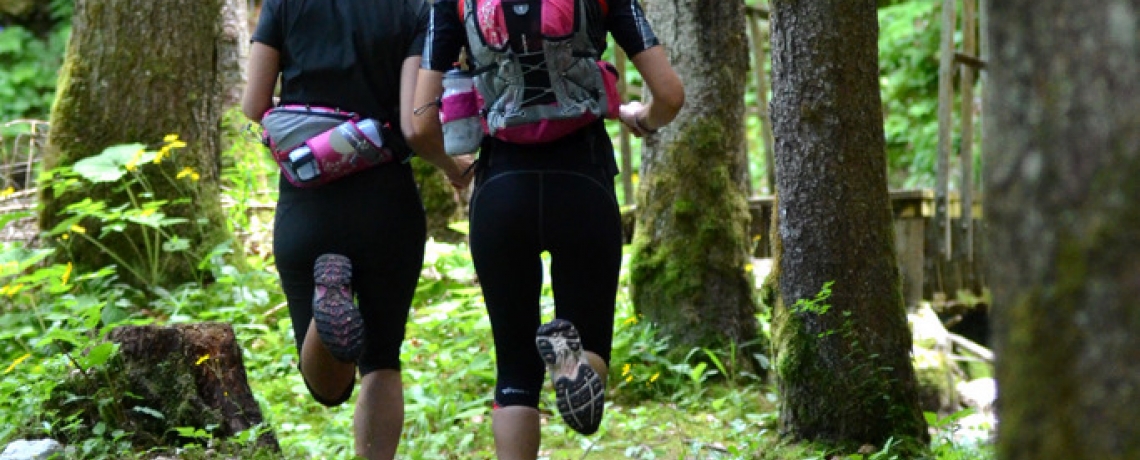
pixel 624 20
pixel 343 53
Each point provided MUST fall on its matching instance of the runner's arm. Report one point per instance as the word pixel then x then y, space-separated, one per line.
pixel 665 88
pixel 264 67
pixel 426 135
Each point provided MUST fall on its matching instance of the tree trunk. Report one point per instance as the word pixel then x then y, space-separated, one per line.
pixel 1063 127
pixel 842 357
pixel 691 242
pixel 165 378
pixel 440 202
pixel 136 71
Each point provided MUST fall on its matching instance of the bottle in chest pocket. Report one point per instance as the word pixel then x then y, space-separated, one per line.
pixel 459 113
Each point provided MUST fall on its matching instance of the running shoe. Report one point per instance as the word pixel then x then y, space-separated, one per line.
pixel 579 391
pixel 339 323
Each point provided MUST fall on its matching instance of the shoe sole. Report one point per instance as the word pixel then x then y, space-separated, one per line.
pixel 339 323
pixel 580 394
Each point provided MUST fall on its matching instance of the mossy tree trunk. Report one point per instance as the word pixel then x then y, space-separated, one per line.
pixel 136 71
pixel 691 241
pixel 842 361
pixel 1062 132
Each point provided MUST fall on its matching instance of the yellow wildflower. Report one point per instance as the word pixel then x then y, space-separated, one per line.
pixel 11 290
pixel 7 192
pixel 188 172
pixel 625 369
pixel 78 229
pixel 170 138
pixel 629 321
pixel 202 359
pixel 654 377
pixel 134 163
pixel 66 274
pixel 17 362
pixel 629 379
pixel 748 268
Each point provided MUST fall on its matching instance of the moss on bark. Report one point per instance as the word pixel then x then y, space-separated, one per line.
pixel 162 379
pixel 690 246
pixel 116 88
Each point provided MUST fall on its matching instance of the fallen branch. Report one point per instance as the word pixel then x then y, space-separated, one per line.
pixel 972 347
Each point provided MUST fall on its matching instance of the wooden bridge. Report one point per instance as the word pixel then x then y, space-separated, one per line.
pixel 939 257
pixel 929 271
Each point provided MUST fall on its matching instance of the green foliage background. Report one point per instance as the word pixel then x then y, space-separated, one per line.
pixel 699 406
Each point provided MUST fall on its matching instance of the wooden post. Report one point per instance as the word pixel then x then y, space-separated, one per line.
pixel 759 36
pixel 966 158
pixel 945 123
pixel 623 133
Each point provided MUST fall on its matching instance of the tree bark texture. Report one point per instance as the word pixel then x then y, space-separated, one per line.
pixel 1063 135
pixel 440 202
pixel 136 71
pixel 691 242
pixel 844 372
pixel 164 378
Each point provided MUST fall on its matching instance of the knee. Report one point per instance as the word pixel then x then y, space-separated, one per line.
pixel 322 395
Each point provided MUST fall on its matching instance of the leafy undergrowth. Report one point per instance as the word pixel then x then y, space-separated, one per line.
pixel 658 410
pixel 54 318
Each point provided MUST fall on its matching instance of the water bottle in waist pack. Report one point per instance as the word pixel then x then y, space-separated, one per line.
pixel 347 148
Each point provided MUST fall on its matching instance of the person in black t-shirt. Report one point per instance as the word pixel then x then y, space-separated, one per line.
pixel 359 239
pixel 556 197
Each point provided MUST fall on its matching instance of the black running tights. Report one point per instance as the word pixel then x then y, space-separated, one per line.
pixel 516 215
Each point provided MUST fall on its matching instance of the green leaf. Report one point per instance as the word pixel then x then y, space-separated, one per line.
pixel 176 244
pixel 99 355
pixel 698 372
pixel 65 225
pixel 462 226
pixel 60 335
pixel 148 411
pixel 111 165
pixel 6 218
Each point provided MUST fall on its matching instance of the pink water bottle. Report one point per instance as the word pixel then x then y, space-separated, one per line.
pixel 459 113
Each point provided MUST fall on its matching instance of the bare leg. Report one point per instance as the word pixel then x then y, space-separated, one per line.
pixel 518 429
pixel 379 417
pixel 517 432
pixel 327 376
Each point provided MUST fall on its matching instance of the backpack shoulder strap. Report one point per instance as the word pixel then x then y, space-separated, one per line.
pixel 463 6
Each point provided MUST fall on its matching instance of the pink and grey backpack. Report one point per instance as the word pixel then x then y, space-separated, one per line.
pixel 537 70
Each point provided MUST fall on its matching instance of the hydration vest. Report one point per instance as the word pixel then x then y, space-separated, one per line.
pixel 536 69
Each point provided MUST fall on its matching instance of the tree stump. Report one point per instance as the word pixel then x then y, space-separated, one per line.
pixel 165 379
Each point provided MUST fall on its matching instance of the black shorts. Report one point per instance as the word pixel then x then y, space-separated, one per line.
pixel 376 219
